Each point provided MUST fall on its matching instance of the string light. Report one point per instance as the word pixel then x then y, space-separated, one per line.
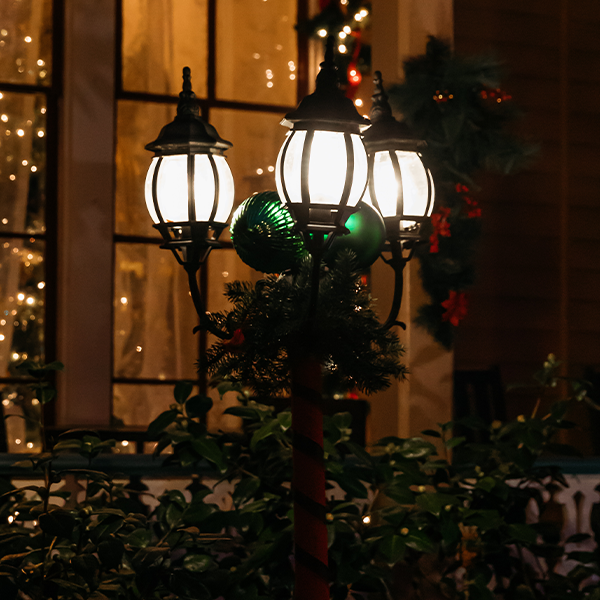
pixel 347 29
pixel 358 17
pixel 259 171
pixel 33 168
pixel 40 133
pixel 322 33
pixel 124 301
pixel 20 132
pixel 24 163
pixel 124 443
pixel 358 102
pixel 342 35
pixel 41 285
pixel 366 519
pixel 20 296
pixel 270 168
pixel 342 49
pixel 138 348
pixel 4 118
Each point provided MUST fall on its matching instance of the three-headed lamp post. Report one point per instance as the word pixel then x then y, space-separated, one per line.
pixel 323 170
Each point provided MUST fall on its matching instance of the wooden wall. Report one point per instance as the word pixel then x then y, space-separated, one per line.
pixel 539 266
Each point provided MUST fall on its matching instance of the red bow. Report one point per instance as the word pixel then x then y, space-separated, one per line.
pixel 456 307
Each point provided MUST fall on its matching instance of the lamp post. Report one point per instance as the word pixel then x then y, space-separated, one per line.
pixel 322 172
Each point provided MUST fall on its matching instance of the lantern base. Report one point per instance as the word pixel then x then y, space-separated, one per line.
pixel 190 243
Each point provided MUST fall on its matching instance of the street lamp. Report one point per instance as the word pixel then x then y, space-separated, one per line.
pixel 321 171
pixel 400 186
pixel 189 189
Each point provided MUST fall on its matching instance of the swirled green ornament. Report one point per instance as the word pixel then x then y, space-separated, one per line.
pixel 263 234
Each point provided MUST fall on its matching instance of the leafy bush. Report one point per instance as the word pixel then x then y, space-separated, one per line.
pixel 404 520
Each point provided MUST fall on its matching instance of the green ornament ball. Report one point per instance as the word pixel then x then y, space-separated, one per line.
pixel 263 234
pixel 366 237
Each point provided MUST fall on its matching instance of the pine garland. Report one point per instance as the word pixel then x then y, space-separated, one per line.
pixel 456 105
pixel 269 318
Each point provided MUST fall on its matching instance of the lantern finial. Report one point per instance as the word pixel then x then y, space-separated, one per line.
pixel 380 109
pixel 188 105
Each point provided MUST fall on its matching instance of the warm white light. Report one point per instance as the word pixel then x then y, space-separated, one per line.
pixel 30 445
pixel 358 102
pixel 33 169
pixel 269 74
pixel 259 171
pixel 124 443
pixel 4 118
pixel 30 300
pixel 35 402
pixel 17 441
pixel 342 49
pixel 124 301
pixel 172 188
pixel 363 12
pixel 43 110
pixel 40 133
pixel 270 168
pixel 138 348
pixel 291 65
pixel 342 35
pixel 269 84
pixel 12 176
pixel 10 517
pixel 5 222
pixel 358 17
pixel 292 77
pixel 5 402
pixel 322 33
pixel 41 285
pixel 28 39
pixel 326 168
pixel 40 63
pixel 347 29
pixel 366 519
pixel 24 163
pixel 21 296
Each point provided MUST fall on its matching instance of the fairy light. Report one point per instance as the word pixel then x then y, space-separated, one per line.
pixel 269 74
pixel 35 402
pixel 322 33
pixel 1 95
pixel 292 77
pixel 125 443
pixel 6 402
pixel 18 441
pixel 7 132
pixel 20 296
pixel 30 445
pixel 33 168
pixel 41 285
pixel 30 301
pixel 4 118
pixel 124 301
pixel 10 517
pixel 366 519
pixel 269 84
pixel 24 163
pixel 291 65
pixel 3 32
pixel 342 49
pixel 40 63
pixel 12 176
pixel 43 110
pixel 363 12
pixel 1 337
pixel 40 133
pixel 259 171
pixel 138 348
pixel 270 168
pixel 342 35
pixel 358 102
pixel 358 17
pixel 5 222
pixel 347 29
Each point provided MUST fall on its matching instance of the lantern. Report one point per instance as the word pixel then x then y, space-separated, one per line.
pixel 400 184
pixel 189 185
pixel 321 170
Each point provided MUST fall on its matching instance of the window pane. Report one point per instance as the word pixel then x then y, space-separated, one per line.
pixel 21 303
pixel 138 123
pixel 25 41
pixel 159 39
pixel 153 315
pixel 22 162
pixel 22 434
pixel 139 405
pixel 256 51
pixel 256 137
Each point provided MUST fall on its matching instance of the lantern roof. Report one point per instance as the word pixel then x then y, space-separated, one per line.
pixel 327 104
pixel 188 131
pixel 386 132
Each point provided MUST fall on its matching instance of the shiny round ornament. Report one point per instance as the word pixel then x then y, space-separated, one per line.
pixel 263 234
pixel 366 237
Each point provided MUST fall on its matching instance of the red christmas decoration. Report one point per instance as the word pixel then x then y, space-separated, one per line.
pixel 236 341
pixel 494 95
pixel 472 206
pixel 441 227
pixel 456 307
pixel 442 97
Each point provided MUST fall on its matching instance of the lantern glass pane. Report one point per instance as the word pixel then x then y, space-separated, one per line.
pixel 414 183
pixel 172 188
pixel 327 167
pixel 291 167
pixel 432 201
pixel 226 190
pixel 386 184
pixel 204 187
pixel 148 190
pixel 359 179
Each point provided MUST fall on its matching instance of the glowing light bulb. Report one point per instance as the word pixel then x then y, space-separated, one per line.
pixel 125 443
pixel 269 74
pixel 20 296
pixel 269 84
pixel 347 29
pixel 291 65
pixel 30 445
pixel 33 168
pixel 12 177
pixel 366 519
pixel 1 337
pixel 292 77
pixel 358 17
pixel 30 301
pixel 41 285
pixel 138 348
pixel 342 49
pixel 270 168
pixel 40 133
pixel 28 39
pixel 4 118
pixel 259 171
pixel 322 33
pixel 43 110
pixel 17 441
pixel 3 32
pixel 358 102
pixel 363 12
pixel 24 163
pixel 1 95
pixel 5 222
pixel 256 56
pixel 40 63
pixel 5 402
pixel 124 301
pixel 10 517
pixel 35 402
pixel 342 35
